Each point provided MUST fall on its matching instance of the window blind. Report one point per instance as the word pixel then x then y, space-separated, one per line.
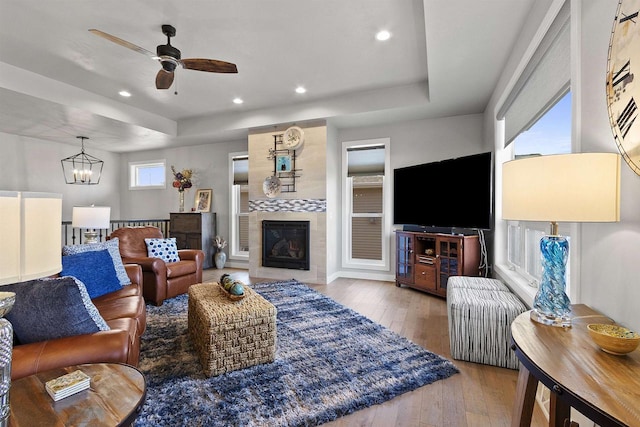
pixel 241 170
pixel 545 79
pixel 363 161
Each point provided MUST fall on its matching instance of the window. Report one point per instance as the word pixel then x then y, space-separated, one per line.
pixel 551 134
pixel 147 175
pixel 537 121
pixel 239 242
pixel 366 218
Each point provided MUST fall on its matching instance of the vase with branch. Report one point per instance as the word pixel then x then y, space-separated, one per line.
pixel 220 257
pixel 182 181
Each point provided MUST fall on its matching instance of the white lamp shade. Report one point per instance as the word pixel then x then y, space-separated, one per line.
pixel 91 217
pixel 31 235
pixel 578 187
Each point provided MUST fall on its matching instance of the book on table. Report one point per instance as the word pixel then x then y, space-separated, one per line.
pixel 68 384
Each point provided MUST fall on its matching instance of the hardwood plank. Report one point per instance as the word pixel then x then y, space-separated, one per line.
pixel 480 395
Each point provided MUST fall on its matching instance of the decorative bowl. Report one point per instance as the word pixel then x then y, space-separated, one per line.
pixel 271 186
pixel 614 339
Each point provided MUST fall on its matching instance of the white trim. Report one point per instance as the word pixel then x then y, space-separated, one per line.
pixel 576 138
pixel 381 277
pixel 347 261
pixel 517 283
pixel 234 203
pixel 135 165
pixel 549 17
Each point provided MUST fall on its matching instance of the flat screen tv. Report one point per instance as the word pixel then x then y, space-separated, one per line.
pixel 453 193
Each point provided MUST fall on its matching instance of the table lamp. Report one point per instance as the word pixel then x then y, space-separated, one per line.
pixel 31 236
pixel 91 218
pixel 577 187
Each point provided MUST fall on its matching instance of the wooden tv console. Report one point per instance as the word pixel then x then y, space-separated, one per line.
pixel 424 261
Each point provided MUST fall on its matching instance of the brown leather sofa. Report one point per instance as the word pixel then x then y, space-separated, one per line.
pixel 161 280
pixel 125 313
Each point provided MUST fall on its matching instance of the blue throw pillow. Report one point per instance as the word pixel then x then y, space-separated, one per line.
pixel 113 246
pixel 94 269
pixel 166 249
pixel 52 308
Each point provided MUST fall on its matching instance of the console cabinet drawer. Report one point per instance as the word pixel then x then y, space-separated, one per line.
pixel 425 276
pixel 186 223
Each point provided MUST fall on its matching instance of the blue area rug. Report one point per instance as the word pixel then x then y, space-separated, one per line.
pixel 330 361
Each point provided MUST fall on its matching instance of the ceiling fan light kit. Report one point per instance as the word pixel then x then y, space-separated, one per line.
pixel 170 57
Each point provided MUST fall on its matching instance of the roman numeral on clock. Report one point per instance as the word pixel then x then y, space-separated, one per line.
pixel 629 18
pixel 627 117
pixel 621 74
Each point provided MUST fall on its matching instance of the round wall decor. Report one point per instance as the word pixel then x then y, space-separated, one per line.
pixel 623 87
pixel 293 138
pixel 271 186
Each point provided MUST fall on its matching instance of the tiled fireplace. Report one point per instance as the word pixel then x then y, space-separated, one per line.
pixel 285 254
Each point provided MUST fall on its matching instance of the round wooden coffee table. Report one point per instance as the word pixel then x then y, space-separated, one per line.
pixel 115 398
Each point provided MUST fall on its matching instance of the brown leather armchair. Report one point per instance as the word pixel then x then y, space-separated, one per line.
pixel 162 280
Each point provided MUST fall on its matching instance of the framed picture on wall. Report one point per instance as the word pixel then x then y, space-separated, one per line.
pixel 283 164
pixel 203 200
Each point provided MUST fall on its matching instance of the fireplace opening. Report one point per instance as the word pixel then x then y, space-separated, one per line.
pixel 285 244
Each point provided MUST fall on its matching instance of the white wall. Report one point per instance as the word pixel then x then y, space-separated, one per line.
pixel 30 164
pixel 609 270
pixel 429 140
pixel 334 208
pixel 210 164
pixel 415 142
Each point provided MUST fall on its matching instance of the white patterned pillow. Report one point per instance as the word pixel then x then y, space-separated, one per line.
pixel 113 246
pixel 165 249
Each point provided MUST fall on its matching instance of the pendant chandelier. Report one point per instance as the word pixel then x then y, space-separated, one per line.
pixel 82 168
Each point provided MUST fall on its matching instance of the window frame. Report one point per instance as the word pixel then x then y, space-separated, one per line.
pixel 347 202
pixel 521 273
pixel 235 213
pixel 133 172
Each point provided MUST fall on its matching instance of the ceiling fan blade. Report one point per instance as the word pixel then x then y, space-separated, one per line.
pixel 209 65
pixel 164 79
pixel 121 42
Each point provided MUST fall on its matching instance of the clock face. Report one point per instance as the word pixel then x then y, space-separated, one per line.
pixel 623 87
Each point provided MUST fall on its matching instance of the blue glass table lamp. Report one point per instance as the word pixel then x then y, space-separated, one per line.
pixel 577 187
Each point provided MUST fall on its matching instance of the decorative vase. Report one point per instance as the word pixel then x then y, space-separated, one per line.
pixel 6 348
pixel 220 258
pixel 551 305
pixel 181 208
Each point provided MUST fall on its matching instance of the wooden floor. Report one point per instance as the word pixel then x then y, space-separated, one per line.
pixel 480 395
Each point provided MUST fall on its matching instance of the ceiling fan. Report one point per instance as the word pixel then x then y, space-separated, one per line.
pixel 169 58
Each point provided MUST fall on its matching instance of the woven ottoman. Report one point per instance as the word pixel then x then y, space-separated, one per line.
pixel 230 335
pixel 480 313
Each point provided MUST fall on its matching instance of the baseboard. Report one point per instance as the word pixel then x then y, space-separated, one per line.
pixel 381 277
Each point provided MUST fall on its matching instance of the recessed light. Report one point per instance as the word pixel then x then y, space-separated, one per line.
pixel 237 100
pixel 300 89
pixel 124 93
pixel 383 35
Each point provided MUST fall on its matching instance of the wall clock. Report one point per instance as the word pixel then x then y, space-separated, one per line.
pixel 623 89
pixel 293 138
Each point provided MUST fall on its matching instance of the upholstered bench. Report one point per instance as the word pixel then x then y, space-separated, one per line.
pixel 480 311
pixel 230 335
